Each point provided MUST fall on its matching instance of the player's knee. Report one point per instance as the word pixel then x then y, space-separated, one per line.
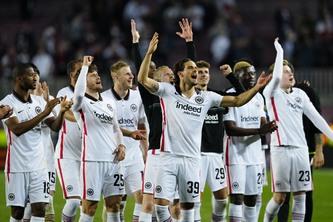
pixel 148 207
pixel 250 201
pixel 221 194
pixel 279 197
pixel 175 210
pixel 89 207
pixel 38 209
pixel 162 202
pixel 237 199
pixel 187 206
pixel 17 212
pixel 112 204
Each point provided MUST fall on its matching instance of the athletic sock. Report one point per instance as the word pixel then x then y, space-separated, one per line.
pixel 219 213
pixel 197 217
pixel 27 213
pixel 85 218
pixel 145 217
pixel 163 213
pixel 113 217
pixel 11 219
pixel 69 211
pixel 235 212
pixel 258 206
pixel 298 212
pixel 272 209
pixel 187 215
pixel 250 214
pixel 136 212
pixel 37 219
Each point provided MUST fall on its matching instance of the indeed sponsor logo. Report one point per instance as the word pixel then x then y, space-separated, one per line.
pixel 187 107
pixel 103 117
pixel 123 121
pixel 249 118
pixel 212 117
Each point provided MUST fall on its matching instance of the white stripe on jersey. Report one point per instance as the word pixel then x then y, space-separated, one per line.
pixel 183 119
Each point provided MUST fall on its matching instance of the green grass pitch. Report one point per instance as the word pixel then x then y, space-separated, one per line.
pixel 323 203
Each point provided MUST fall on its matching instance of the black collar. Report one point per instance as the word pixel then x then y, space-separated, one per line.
pixel 21 98
pixel 118 97
pixel 93 98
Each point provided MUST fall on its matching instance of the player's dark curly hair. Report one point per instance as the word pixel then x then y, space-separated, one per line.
pixel 178 67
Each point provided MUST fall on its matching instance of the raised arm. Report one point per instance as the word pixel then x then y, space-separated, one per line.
pixel 81 83
pixel 187 34
pixel 136 57
pixel 241 99
pixel 230 76
pixel 150 84
pixel 277 71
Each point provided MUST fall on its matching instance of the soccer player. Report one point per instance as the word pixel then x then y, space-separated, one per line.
pixel 316 156
pixel 183 111
pixel 212 164
pixel 131 117
pixel 244 154
pixel 26 175
pixel 290 167
pixel 102 145
pixel 68 150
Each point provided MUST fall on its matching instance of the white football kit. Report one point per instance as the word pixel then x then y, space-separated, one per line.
pixel 244 154
pixel 130 114
pixel 101 135
pixel 68 153
pixel 182 120
pixel 25 168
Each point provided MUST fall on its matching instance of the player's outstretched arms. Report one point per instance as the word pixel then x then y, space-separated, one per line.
pixel 150 84
pixel 81 83
pixel 241 99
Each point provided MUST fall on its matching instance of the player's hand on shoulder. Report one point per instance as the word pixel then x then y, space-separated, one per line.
pixel 119 152
pixel 87 60
pixel 225 69
pixel 134 31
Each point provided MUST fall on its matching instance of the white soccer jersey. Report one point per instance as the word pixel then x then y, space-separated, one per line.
pixel 183 118
pixel 69 139
pixel 48 148
pixel 130 113
pixel 245 149
pixel 287 109
pixel 25 153
pixel 96 119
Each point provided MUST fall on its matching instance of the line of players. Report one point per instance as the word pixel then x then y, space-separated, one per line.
pixel 90 153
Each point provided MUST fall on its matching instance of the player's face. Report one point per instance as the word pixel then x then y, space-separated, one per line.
pixel 167 75
pixel 203 76
pixel 29 79
pixel 190 73
pixel 248 79
pixel 125 77
pixel 288 79
pixel 94 81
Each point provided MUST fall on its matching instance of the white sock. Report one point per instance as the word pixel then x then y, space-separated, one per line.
pixel 258 206
pixel 154 216
pixel 235 212
pixel 122 209
pixel 145 217
pixel 11 219
pixel 113 217
pixel 187 215
pixel 163 213
pixel 27 213
pixel 219 213
pixel 197 217
pixel 272 209
pixel 298 211
pixel 136 212
pixel 85 218
pixel 250 214
pixel 37 219
pixel 69 210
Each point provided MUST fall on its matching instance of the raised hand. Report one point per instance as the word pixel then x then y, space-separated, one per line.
pixel 134 31
pixel 186 30
pixel 50 105
pixel 277 45
pixel 268 128
pixel 263 80
pixel 153 44
pixel 87 60
pixel 225 70
pixel 65 104
pixel 119 153
pixel 45 91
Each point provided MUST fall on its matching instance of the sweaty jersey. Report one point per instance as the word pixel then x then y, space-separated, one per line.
pixel 25 153
pixel 183 119
pixel 69 139
pixel 245 149
pixel 130 113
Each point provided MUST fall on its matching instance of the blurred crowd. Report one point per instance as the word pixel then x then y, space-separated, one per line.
pixel 102 28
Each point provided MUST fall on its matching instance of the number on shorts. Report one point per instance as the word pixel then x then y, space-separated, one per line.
pixel 193 187
pixel 304 175
pixel 52 177
pixel 119 180
pixel 259 178
pixel 46 187
pixel 219 173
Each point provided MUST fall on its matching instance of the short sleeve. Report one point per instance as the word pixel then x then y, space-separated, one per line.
pixel 215 99
pixel 164 89
pixel 230 115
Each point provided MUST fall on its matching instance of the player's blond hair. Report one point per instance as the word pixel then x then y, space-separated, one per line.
pixel 115 67
pixel 157 75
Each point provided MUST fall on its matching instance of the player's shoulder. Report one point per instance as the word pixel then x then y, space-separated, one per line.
pixel 66 91
pixel 7 99
pixel 299 92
